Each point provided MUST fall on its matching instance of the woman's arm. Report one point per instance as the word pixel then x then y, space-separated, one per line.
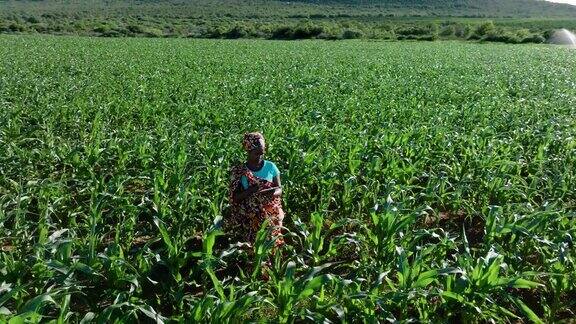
pixel 276 181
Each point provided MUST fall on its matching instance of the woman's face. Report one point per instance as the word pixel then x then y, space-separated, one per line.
pixel 256 153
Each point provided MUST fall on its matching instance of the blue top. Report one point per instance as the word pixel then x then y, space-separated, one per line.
pixel 267 172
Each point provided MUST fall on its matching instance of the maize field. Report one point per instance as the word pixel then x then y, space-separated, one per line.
pixel 424 182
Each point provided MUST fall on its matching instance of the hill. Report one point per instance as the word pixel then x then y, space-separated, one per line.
pixel 287 9
pixel 517 20
pixel 487 8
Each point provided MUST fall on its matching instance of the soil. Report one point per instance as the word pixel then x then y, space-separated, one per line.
pixel 452 221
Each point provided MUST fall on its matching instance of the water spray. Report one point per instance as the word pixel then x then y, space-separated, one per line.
pixel 563 37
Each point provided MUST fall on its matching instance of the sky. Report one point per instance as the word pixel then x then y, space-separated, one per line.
pixel 572 2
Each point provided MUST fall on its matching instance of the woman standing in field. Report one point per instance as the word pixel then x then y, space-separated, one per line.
pixel 255 192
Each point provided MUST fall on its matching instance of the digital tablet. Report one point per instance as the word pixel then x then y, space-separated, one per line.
pixel 269 189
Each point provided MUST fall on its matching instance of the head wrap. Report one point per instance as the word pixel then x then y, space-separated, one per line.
pixel 253 140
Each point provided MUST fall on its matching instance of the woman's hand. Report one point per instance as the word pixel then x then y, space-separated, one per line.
pixel 278 185
pixel 241 195
pixel 278 192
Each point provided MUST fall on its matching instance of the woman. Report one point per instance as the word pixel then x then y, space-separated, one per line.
pixel 255 192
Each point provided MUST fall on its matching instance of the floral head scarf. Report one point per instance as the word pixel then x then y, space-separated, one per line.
pixel 252 141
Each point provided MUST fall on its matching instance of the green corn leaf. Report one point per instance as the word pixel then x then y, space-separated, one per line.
pixel 151 313
pixel 465 240
pixel 88 317
pixel 17 320
pixel 224 310
pixel 198 312
pixel 453 295
pixel 313 285
pixel 523 283
pixel 403 266
pixel 319 268
pixel 34 304
pixel 290 269
pixel 9 294
pixel 425 278
pixel 209 241
pixel 527 311
pixel 164 234
pixel 491 277
pixel 217 284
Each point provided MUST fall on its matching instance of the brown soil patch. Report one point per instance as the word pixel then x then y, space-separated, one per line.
pixel 7 248
pixel 141 240
pixel 7 245
pixel 453 221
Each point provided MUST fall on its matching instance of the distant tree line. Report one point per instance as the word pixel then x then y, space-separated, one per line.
pixel 425 20
pixel 284 30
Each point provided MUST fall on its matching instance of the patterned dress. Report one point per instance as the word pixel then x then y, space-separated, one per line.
pixel 246 217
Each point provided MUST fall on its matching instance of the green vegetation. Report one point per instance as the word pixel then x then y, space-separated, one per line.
pixel 426 181
pixel 516 21
pixel 295 9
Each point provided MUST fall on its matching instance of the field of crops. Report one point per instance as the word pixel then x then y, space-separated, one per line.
pixel 422 181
